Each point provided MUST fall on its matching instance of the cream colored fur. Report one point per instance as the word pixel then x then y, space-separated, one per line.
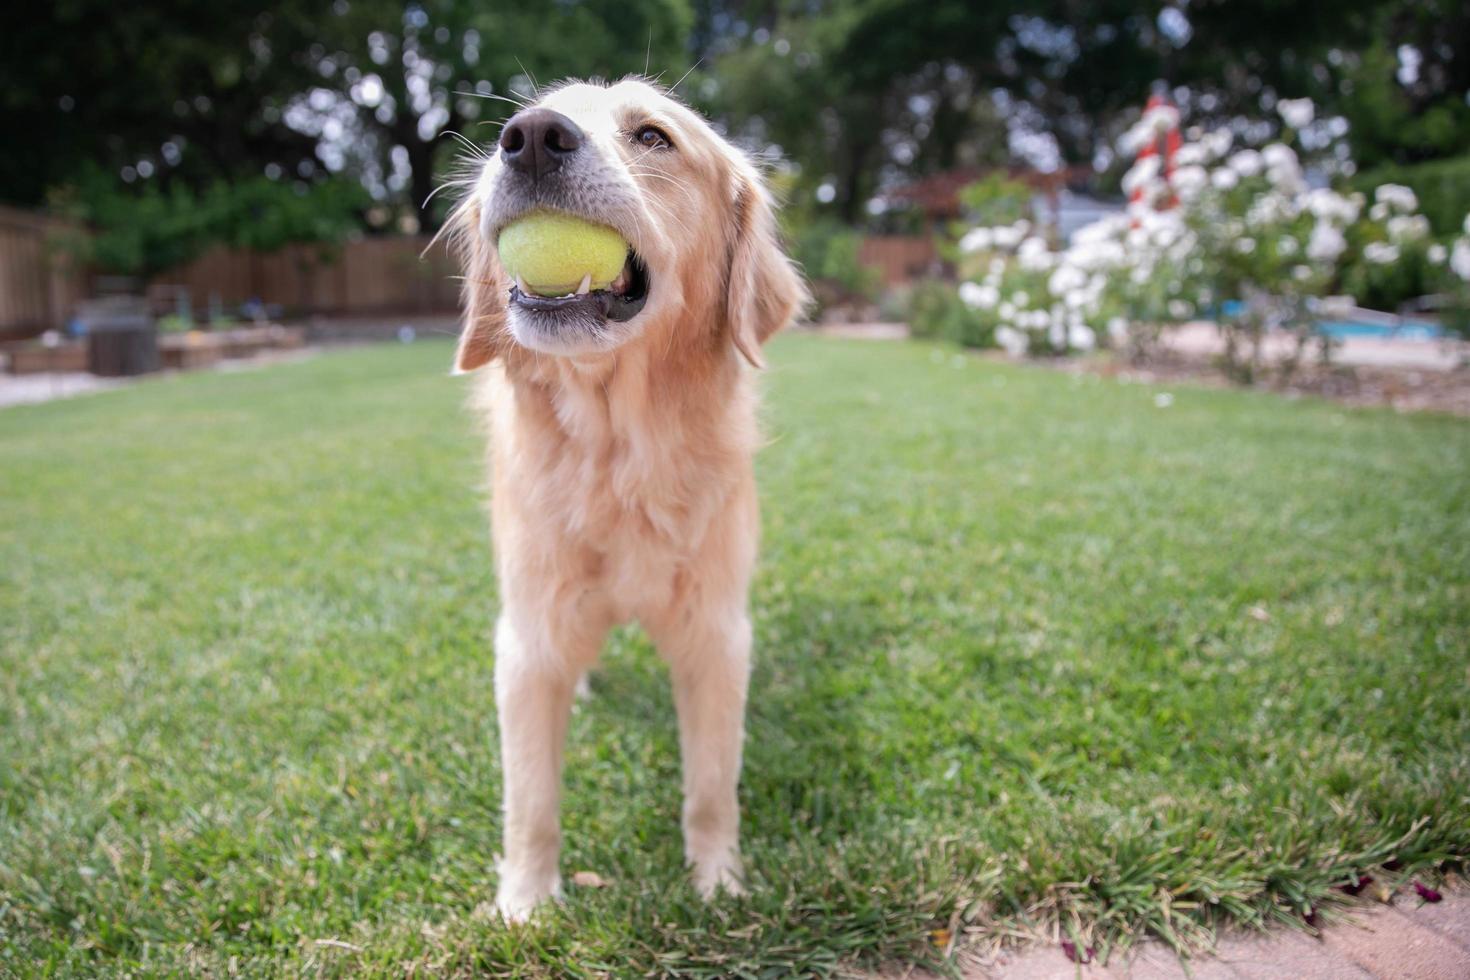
pixel 622 486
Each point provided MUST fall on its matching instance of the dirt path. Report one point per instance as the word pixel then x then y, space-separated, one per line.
pixel 1406 940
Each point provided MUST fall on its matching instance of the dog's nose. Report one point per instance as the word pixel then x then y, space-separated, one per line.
pixel 537 141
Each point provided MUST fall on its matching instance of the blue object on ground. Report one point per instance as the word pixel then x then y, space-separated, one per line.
pixel 1343 329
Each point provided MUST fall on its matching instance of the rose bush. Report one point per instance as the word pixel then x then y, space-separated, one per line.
pixel 1235 234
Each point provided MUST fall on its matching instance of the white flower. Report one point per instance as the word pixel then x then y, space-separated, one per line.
pixel 1021 299
pixel 1379 211
pixel 1188 181
pixel 1396 196
pixel 1408 227
pixel 977 240
pixel 1460 259
pixel 1066 278
pixel 1005 311
pixel 1224 179
pixel 1296 113
pixel 1286 179
pixel 1381 253
pixel 1160 119
pixel 1279 155
pixel 1246 163
pixel 1245 246
pixel 1141 173
pixel 979 297
pixel 1328 205
pixel 1012 340
pixel 1326 243
pixel 1081 336
pixel 1466 225
pixel 1163 400
pixel 1117 329
pixel 1437 254
pixel 1009 236
pixel 1219 142
pixel 1191 155
pixel 1286 246
pixel 1301 273
pixel 1034 255
pixel 1180 309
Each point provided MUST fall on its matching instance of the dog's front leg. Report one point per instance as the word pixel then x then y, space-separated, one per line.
pixel 709 658
pixel 536 671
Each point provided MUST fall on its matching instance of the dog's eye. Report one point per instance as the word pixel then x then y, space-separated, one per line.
pixel 652 137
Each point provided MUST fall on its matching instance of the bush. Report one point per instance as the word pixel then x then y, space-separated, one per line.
pixel 143 231
pixel 828 252
pixel 936 312
pixel 996 200
pixel 1442 186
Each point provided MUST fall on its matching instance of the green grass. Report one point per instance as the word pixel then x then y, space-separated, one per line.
pixel 1031 650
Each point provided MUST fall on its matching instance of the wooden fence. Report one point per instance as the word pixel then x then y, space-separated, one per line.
pixel 40 288
pixel 39 285
pixel 362 277
pixel 899 259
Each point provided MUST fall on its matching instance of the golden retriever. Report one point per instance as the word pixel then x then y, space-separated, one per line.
pixel 622 427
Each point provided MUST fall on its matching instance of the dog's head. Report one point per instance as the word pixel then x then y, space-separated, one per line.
pixel 704 255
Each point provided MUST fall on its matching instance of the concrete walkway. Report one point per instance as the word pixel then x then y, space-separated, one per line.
pixel 1203 341
pixel 1407 940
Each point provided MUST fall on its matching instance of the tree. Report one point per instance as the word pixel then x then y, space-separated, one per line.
pixel 148 230
pixel 170 92
pixel 410 73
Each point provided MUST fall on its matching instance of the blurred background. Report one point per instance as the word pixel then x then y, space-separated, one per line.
pixel 203 167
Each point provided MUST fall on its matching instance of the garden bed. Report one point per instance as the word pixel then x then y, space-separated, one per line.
pixel 177 351
pixel 32 357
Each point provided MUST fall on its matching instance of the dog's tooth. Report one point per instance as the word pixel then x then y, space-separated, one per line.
pixel 586 286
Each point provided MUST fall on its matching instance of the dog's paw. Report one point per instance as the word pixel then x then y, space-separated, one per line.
pixel 716 874
pixel 519 895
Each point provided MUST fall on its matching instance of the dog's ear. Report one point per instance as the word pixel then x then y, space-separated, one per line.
pixel 483 336
pixel 764 289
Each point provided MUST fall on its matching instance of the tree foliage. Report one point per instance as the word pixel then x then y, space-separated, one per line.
pixel 855 94
pixel 144 231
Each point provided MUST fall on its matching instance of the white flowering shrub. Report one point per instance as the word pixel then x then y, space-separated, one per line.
pixel 1233 234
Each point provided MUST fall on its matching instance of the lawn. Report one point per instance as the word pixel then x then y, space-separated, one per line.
pixel 1032 650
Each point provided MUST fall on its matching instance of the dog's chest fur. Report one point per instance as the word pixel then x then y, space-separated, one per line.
pixel 613 476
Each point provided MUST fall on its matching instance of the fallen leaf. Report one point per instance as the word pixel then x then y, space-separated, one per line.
pixel 940 937
pixel 589 879
pixel 1259 614
pixel 1081 955
pixel 1427 893
pixel 1381 892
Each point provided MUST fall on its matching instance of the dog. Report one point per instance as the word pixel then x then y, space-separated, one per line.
pixel 622 426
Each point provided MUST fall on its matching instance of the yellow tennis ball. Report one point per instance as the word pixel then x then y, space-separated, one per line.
pixel 552 252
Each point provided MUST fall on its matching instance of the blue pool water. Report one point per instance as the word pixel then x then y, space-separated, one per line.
pixel 1343 329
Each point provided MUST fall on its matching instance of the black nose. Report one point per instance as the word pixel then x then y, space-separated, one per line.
pixel 536 141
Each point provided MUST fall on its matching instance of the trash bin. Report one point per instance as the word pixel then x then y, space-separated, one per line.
pixel 122 340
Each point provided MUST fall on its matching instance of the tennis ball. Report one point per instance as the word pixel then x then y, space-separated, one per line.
pixel 552 252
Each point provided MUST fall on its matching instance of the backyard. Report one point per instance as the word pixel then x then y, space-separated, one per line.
pixel 1036 652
